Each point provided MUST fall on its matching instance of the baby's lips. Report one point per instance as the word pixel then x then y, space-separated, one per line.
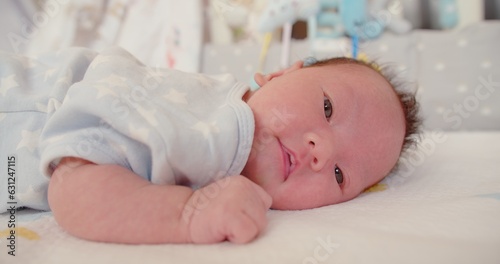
pixel 292 162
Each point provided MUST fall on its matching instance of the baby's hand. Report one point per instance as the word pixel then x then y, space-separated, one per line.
pixel 233 208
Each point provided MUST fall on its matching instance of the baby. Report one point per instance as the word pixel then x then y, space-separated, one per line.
pixel 130 154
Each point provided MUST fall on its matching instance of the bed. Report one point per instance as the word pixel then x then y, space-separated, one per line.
pixel 442 206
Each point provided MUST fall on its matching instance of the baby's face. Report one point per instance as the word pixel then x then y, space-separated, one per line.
pixel 323 134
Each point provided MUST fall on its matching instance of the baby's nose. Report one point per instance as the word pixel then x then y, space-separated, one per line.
pixel 319 151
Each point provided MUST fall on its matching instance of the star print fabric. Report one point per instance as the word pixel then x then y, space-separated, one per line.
pixel 167 126
pixel 30 92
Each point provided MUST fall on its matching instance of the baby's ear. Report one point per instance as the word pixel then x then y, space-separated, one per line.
pixel 263 79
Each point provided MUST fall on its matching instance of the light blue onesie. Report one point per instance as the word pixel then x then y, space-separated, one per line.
pixel 167 126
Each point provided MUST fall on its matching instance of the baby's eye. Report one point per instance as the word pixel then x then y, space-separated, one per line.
pixel 327 105
pixel 338 175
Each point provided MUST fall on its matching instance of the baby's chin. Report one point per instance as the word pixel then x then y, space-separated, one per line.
pixel 284 207
pixel 296 203
pixel 287 205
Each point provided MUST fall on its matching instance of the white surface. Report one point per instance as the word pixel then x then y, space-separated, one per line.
pixel 443 207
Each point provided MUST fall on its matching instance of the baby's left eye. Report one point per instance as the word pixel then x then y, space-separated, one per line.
pixel 327 106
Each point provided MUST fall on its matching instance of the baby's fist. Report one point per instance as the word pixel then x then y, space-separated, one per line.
pixel 233 208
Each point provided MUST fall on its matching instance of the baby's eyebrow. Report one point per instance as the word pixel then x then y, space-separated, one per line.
pixel 353 178
pixel 347 182
pixel 343 105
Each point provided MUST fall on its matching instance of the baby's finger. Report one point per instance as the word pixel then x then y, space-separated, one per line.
pixel 257 214
pixel 241 229
pixel 264 196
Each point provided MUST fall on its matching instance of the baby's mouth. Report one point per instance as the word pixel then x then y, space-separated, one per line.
pixel 288 160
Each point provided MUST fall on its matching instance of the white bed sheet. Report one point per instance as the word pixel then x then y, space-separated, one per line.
pixel 442 208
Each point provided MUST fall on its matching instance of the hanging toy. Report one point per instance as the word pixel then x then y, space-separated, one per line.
pixel 283 13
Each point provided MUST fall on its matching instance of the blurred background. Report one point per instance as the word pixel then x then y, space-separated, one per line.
pixel 444 49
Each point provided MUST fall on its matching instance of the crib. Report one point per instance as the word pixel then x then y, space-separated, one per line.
pixel 441 206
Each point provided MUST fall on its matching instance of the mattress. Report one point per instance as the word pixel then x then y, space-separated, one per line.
pixel 442 206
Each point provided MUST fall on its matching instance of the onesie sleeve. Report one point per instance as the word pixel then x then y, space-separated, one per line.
pixel 167 126
pixel 99 118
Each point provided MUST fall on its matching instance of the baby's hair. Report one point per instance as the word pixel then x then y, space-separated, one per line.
pixel 407 98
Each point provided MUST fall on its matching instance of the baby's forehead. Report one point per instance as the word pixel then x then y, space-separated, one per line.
pixel 352 66
pixel 357 74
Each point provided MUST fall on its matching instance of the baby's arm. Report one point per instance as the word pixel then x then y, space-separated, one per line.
pixel 109 203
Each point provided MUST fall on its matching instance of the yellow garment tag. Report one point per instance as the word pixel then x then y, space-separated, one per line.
pixel 20 232
pixel 376 188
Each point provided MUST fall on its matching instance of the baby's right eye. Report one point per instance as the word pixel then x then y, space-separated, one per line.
pixel 339 176
pixel 327 106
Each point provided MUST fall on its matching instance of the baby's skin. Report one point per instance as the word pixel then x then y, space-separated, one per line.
pixel 344 133
pixel 109 203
